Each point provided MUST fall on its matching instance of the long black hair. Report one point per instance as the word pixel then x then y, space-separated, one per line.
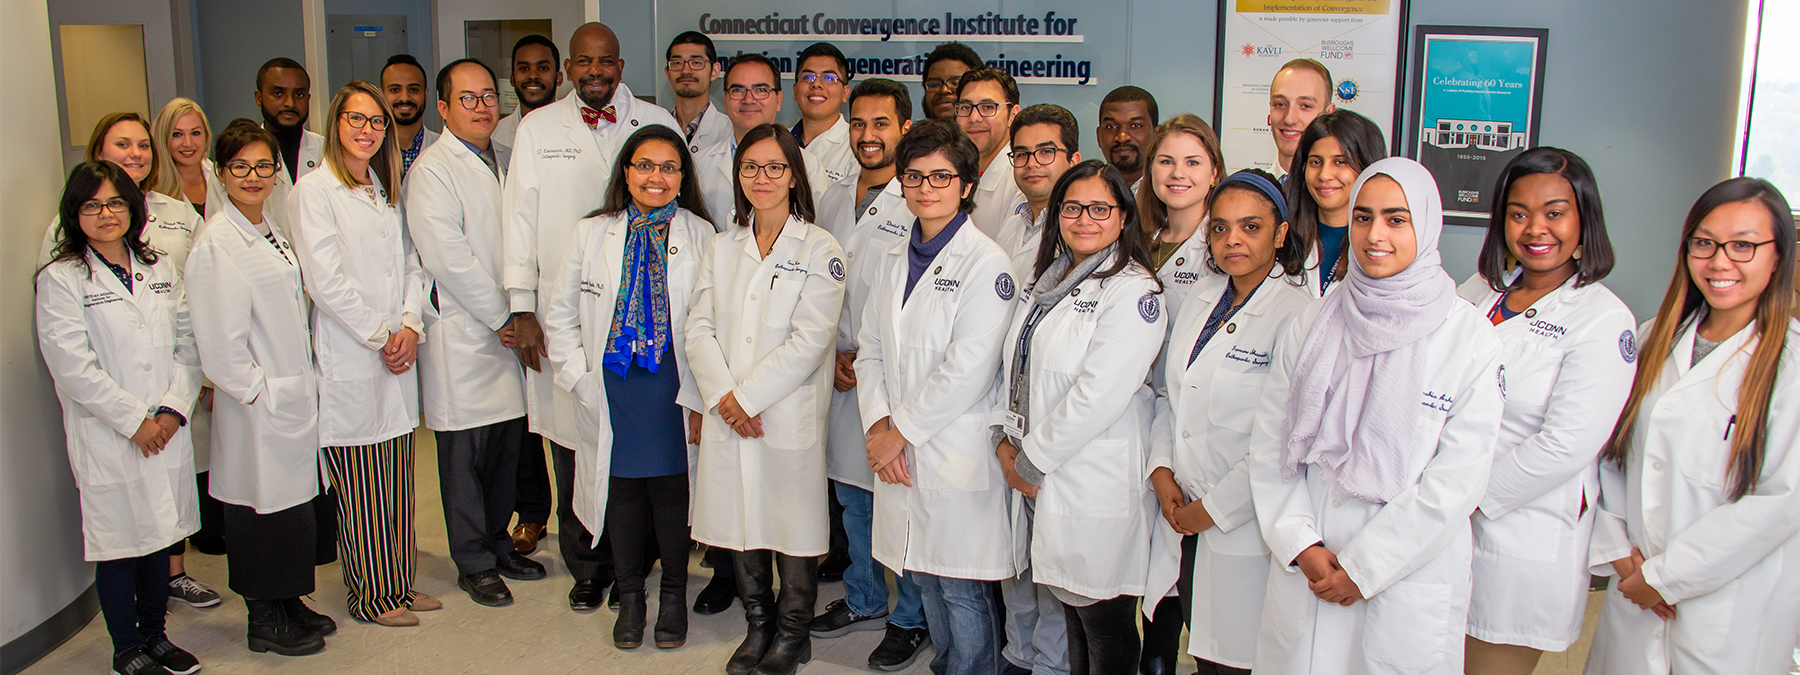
pixel 84 182
pixel 687 194
pixel 1132 243
pixel 1361 141
pixel 800 201
pixel 1596 259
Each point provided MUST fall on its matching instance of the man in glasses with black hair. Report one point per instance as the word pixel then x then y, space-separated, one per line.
pixel 693 64
pixel 987 99
pixel 1044 146
pixel 752 99
pixel 820 88
pixel 944 68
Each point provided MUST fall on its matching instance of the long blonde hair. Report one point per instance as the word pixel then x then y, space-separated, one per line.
pixel 165 178
pixel 384 164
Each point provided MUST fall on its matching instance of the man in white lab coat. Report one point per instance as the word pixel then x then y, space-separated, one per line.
pixel 692 67
pixel 752 99
pixel 284 93
pixel 820 87
pixel 536 75
pixel 563 157
pixel 986 102
pixel 471 382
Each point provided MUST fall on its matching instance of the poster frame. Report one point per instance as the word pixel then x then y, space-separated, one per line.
pixel 1416 93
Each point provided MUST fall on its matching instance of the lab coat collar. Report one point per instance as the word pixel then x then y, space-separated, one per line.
pixel 1001 167
pixel 794 228
pixel 1708 368
pixel 461 150
pixel 142 276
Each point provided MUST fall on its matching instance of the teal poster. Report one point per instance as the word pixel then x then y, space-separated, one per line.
pixel 1477 106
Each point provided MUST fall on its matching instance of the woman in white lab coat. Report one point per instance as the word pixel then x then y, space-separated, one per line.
pixel 113 328
pixel 1700 482
pixel 1207 544
pixel 1079 349
pixel 1333 151
pixel 928 351
pixel 1184 166
pixel 1371 447
pixel 250 324
pixel 623 357
pixel 759 340
pixel 123 138
pixel 367 287
pixel 183 138
pixel 1562 335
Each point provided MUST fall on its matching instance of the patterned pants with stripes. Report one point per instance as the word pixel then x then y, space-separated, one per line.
pixel 377 544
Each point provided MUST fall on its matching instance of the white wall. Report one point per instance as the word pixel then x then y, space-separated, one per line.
pixel 159 46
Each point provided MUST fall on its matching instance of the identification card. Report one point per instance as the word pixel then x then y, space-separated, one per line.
pixel 1015 425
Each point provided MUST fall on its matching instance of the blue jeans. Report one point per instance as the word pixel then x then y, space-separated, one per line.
pixel 865 583
pixel 964 619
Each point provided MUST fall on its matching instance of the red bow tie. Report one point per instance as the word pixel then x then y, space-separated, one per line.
pixel 593 118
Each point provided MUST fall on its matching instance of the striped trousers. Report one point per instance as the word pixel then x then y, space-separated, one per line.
pixel 377 544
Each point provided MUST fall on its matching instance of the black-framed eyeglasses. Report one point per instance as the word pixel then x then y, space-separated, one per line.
pixel 1701 248
pixel 946 83
pixel 737 92
pixel 242 169
pixel 829 78
pixel 359 120
pixel 468 101
pixel 693 63
pixel 987 108
pixel 1044 156
pixel 646 167
pixel 1096 210
pixel 938 179
pixel 115 205
pixel 773 170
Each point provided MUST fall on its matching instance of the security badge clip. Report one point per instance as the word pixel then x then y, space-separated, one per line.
pixel 1015 425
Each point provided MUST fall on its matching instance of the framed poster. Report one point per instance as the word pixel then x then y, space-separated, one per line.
pixel 1362 43
pixel 1477 96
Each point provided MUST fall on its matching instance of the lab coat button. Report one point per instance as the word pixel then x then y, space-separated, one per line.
pixel 1186 434
pixel 752 296
pixel 1337 502
pixel 850 254
pixel 1231 328
pixel 842 335
pixel 147 367
pixel 746 340
pixel 1656 464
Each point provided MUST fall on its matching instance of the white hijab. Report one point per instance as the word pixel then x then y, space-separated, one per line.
pixel 1364 358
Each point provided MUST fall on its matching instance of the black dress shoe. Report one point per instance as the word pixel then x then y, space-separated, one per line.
pixel 716 597
pixel 516 566
pixel 321 624
pixel 628 629
pixel 671 620
pixel 486 588
pixel 586 596
pixel 833 565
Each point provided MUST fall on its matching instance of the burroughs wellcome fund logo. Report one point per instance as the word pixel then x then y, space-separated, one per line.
pixel 1337 50
pixel 1250 50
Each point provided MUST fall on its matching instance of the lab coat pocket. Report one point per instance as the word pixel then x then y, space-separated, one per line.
pixel 1233 399
pixel 1101 481
pixel 949 462
pixel 1530 534
pixel 1704 623
pixel 793 422
pixel 784 295
pixel 1406 625
pixel 713 429
pixel 341 360
pixel 289 400
pixel 107 458
pixel 1530 374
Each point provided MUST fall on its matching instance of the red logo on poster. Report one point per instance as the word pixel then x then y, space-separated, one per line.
pixel 1248 49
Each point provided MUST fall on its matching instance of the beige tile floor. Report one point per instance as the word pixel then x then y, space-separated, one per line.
pixel 537 635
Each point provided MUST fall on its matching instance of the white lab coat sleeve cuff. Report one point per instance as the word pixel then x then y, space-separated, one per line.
pixel 1162 436
pixel 1654 577
pixel 522 300
pixel 1229 501
pixel 378 340
pixel 1609 543
pixel 411 320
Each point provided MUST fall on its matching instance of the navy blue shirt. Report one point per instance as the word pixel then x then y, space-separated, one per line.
pixel 919 254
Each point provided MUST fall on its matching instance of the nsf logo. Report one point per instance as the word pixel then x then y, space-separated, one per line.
pixel 1347 90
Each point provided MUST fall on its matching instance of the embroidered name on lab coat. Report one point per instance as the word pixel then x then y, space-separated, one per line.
pixel 97 299
pixel 1436 401
pixel 571 152
pixel 791 266
pixel 893 228
pixel 1255 358
pixel 592 288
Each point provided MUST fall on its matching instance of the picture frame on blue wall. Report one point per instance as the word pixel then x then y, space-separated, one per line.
pixel 1476 99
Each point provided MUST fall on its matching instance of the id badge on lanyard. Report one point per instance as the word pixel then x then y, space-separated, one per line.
pixel 1015 426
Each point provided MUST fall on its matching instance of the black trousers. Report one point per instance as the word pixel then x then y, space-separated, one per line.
pixel 134 597
pixel 1103 637
pixel 477 471
pixel 272 554
pixel 532 495
pixel 641 512
pixel 585 561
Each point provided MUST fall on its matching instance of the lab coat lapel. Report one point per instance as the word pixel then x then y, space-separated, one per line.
pixel 1709 368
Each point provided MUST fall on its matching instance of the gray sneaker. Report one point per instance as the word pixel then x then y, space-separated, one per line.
pixel 194 593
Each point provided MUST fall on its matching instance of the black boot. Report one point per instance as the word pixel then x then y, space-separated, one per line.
pixel 272 630
pixel 671 619
pixel 1162 638
pixel 799 592
pixel 628 629
pixel 755 577
pixel 321 624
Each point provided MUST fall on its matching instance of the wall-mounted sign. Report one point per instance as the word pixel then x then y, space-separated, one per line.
pixel 1477 95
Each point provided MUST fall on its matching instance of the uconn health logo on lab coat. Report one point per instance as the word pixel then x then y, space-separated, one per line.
pixel 1149 308
pixel 1003 286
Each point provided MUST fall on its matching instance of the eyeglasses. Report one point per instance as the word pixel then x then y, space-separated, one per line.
pixel 829 78
pixel 468 101
pixel 1044 156
pixel 242 169
pixel 115 205
pixel 737 92
pixel 359 120
pixel 1700 248
pixel 946 83
pixel 987 108
pixel 647 167
pixel 695 63
pixel 1097 210
pixel 773 170
pixel 939 179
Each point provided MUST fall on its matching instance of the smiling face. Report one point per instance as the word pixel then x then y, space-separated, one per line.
pixel 1244 233
pixel 360 144
pixel 749 112
pixel 928 202
pixel 1296 97
pixel 1182 173
pixel 252 188
pixel 535 77
pixel 404 87
pixel 1084 234
pixel 1381 229
pixel 687 82
pixel 1330 173
pixel 653 189
pixel 477 125
pixel 1543 225
pixel 767 193
pixel 941 101
pixel 106 227
pixel 1729 285
pixel 875 132
pixel 127 144
pixel 1037 180
pixel 988 133
pixel 187 141
pixel 818 99
pixel 1125 128
pixel 283 94
pixel 594 64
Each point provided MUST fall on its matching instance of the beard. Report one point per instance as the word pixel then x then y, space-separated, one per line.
pixel 405 121
pixel 605 96
pixel 1127 164
pixel 886 160
pixel 273 122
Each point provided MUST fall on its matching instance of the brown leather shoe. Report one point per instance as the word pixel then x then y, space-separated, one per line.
pixel 425 603
pixel 525 537
pixel 398 618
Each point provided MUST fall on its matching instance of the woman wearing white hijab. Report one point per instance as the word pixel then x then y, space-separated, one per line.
pixel 1371 448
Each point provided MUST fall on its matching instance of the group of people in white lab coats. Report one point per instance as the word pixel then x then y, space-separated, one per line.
pixel 1256 407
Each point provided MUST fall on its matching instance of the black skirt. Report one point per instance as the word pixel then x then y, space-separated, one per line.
pixel 271 554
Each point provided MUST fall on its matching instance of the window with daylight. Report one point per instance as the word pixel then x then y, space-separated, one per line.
pixel 1770 117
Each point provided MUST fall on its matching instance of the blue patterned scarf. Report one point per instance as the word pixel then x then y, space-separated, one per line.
pixel 640 323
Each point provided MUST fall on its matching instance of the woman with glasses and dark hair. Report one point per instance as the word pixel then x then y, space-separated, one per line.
pixel 1335 148
pixel 113 328
pixel 1700 480
pixel 617 344
pixel 760 333
pixel 1563 337
pixel 367 289
pixel 1074 414
pixel 123 138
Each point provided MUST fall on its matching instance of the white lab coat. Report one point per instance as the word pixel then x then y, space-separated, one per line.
pixel 762 328
pixel 930 362
pixel 365 283
pixel 559 174
pixel 1567 372
pixel 1730 569
pixel 1090 356
pixel 714 168
pixel 467 379
pixel 865 236
pixel 997 197
pixel 714 127
pixel 1020 236
pixel 249 311
pixel 312 157
pixel 169 228
pixel 1410 556
pixel 116 355
pixel 830 158
pixel 1181 271
pixel 507 127
pixel 579 321
pixel 1202 434
pixel 215 190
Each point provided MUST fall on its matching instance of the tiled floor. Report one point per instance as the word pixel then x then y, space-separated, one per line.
pixel 537 635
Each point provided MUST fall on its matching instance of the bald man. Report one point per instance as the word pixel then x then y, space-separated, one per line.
pixel 562 159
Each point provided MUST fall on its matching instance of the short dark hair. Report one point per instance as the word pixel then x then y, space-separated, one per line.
pixel 692 37
pixel 952 51
pixel 1361 141
pixel 240 134
pixel 405 60
pixel 750 59
pixel 1129 93
pixel 1291 255
pixel 443 77
pixel 618 192
pixel 986 74
pixel 1049 113
pixel 881 86
pixel 1133 245
pixel 278 62
pixel 942 134
pixel 535 39
pixel 1596 248
pixel 800 200
pixel 825 49
pixel 84 182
